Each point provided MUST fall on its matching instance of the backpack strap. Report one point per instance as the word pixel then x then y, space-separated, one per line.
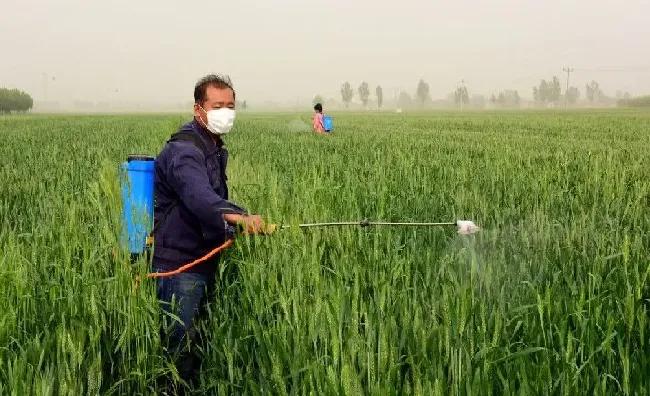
pixel 198 143
pixel 192 137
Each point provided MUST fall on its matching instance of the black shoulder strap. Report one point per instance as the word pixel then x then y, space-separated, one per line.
pixel 200 144
pixel 192 137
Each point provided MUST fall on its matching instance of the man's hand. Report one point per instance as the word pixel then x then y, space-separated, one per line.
pixel 251 224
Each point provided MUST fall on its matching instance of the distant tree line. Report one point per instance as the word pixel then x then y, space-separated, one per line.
pixel 348 93
pixel 639 102
pixel 14 100
pixel 547 93
pixel 506 99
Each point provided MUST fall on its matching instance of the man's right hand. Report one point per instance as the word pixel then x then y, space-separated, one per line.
pixel 251 224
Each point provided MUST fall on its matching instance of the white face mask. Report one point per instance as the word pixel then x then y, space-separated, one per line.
pixel 220 121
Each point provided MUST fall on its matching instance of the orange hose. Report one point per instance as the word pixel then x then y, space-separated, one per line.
pixel 197 261
pixel 189 265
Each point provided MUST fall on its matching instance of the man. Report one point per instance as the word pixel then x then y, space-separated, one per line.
pixel 192 213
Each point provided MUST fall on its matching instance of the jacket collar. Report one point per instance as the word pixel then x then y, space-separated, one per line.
pixel 207 135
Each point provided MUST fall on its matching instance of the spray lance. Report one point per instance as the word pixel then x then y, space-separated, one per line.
pixel 137 215
pixel 465 227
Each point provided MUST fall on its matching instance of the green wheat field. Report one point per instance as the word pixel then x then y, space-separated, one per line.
pixel 552 297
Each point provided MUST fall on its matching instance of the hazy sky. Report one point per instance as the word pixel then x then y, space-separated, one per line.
pixel 279 50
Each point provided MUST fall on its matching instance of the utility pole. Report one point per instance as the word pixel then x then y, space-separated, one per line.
pixel 566 93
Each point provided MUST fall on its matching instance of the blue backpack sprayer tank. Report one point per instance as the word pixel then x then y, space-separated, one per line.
pixel 328 125
pixel 137 203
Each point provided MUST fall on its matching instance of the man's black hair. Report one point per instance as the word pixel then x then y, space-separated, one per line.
pixel 212 80
pixel 318 107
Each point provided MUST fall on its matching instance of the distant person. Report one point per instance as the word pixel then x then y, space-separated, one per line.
pixel 320 121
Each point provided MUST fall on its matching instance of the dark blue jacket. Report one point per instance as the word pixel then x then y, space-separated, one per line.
pixel 195 225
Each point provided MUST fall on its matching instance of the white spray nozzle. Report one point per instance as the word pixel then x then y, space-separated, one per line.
pixel 466 227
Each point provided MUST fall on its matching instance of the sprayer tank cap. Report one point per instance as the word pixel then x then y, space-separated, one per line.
pixel 139 157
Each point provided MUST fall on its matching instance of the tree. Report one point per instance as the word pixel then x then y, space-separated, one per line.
pixel 541 93
pixel 241 104
pixel 318 99
pixel 502 99
pixel 554 91
pixel 364 93
pixel 593 92
pixel 461 96
pixel 404 100
pixel 512 98
pixel 13 100
pixel 509 98
pixel 422 92
pixel 572 95
pixel 347 93
pixel 544 93
pixel 380 96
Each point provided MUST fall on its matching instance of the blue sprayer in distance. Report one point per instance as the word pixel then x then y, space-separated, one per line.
pixel 137 202
pixel 328 125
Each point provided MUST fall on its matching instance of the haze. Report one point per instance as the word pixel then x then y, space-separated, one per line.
pixel 287 51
